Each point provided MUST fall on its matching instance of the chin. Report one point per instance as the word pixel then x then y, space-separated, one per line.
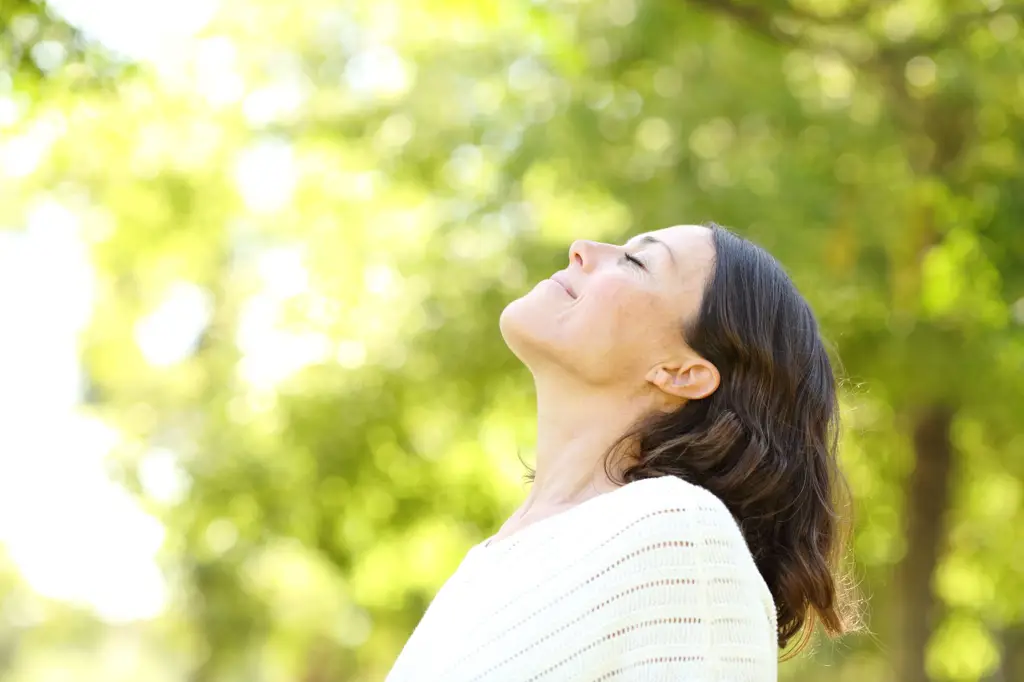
pixel 516 321
pixel 529 330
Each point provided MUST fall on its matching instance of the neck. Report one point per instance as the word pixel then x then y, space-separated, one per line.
pixel 575 427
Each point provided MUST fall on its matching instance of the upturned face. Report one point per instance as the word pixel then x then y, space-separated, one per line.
pixel 615 311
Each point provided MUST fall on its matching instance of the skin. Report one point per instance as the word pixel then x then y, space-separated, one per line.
pixel 607 357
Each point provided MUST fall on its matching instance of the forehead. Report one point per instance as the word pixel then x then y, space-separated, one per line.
pixel 683 238
pixel 691 246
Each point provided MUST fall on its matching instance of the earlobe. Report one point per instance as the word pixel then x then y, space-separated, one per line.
pixel 692 382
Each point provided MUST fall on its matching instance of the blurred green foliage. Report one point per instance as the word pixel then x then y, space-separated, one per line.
pixel 351 192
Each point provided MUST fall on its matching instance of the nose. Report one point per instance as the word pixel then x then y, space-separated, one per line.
pixel 582 253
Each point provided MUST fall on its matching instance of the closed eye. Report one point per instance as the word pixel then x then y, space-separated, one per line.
pixel 634 261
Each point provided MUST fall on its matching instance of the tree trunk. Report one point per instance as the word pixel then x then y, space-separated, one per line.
pixel 1013 652
pixel 927 499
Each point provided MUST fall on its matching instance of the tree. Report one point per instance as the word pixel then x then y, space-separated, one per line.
pixel 938 81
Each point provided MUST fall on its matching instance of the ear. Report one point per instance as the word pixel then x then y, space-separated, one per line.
pixel 692 380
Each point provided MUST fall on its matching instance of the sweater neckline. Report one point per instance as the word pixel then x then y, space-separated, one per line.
pixel 488 545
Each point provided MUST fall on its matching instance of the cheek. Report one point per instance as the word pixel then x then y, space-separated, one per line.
pixel 620 313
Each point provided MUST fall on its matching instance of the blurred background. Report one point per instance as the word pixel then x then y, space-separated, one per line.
pixel 254 404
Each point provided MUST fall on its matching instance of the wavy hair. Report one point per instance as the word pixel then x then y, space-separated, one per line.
pixel 765 442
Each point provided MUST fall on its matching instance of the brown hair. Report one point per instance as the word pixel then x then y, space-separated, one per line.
pixel 765 442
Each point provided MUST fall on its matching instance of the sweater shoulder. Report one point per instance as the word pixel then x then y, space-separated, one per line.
pixel 674 513
pixel 671 505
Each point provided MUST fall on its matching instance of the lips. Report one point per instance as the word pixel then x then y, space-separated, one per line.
pixel 561 279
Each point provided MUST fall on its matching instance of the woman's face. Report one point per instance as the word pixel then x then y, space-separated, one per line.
pixel 619 318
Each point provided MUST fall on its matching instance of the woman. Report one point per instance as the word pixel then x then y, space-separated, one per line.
pixel 682 524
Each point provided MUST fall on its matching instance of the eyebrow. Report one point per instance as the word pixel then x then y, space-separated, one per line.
pixel 648 239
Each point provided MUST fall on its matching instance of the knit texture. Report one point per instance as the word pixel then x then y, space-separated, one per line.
pixel 652 581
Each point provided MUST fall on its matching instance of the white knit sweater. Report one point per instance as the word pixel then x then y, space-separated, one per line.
pixel 650 582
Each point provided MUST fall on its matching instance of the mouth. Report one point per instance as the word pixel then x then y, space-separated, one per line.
pixel 559 279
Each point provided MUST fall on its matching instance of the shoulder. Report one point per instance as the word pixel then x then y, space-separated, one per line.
pixel 681 528
pixel 671 505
